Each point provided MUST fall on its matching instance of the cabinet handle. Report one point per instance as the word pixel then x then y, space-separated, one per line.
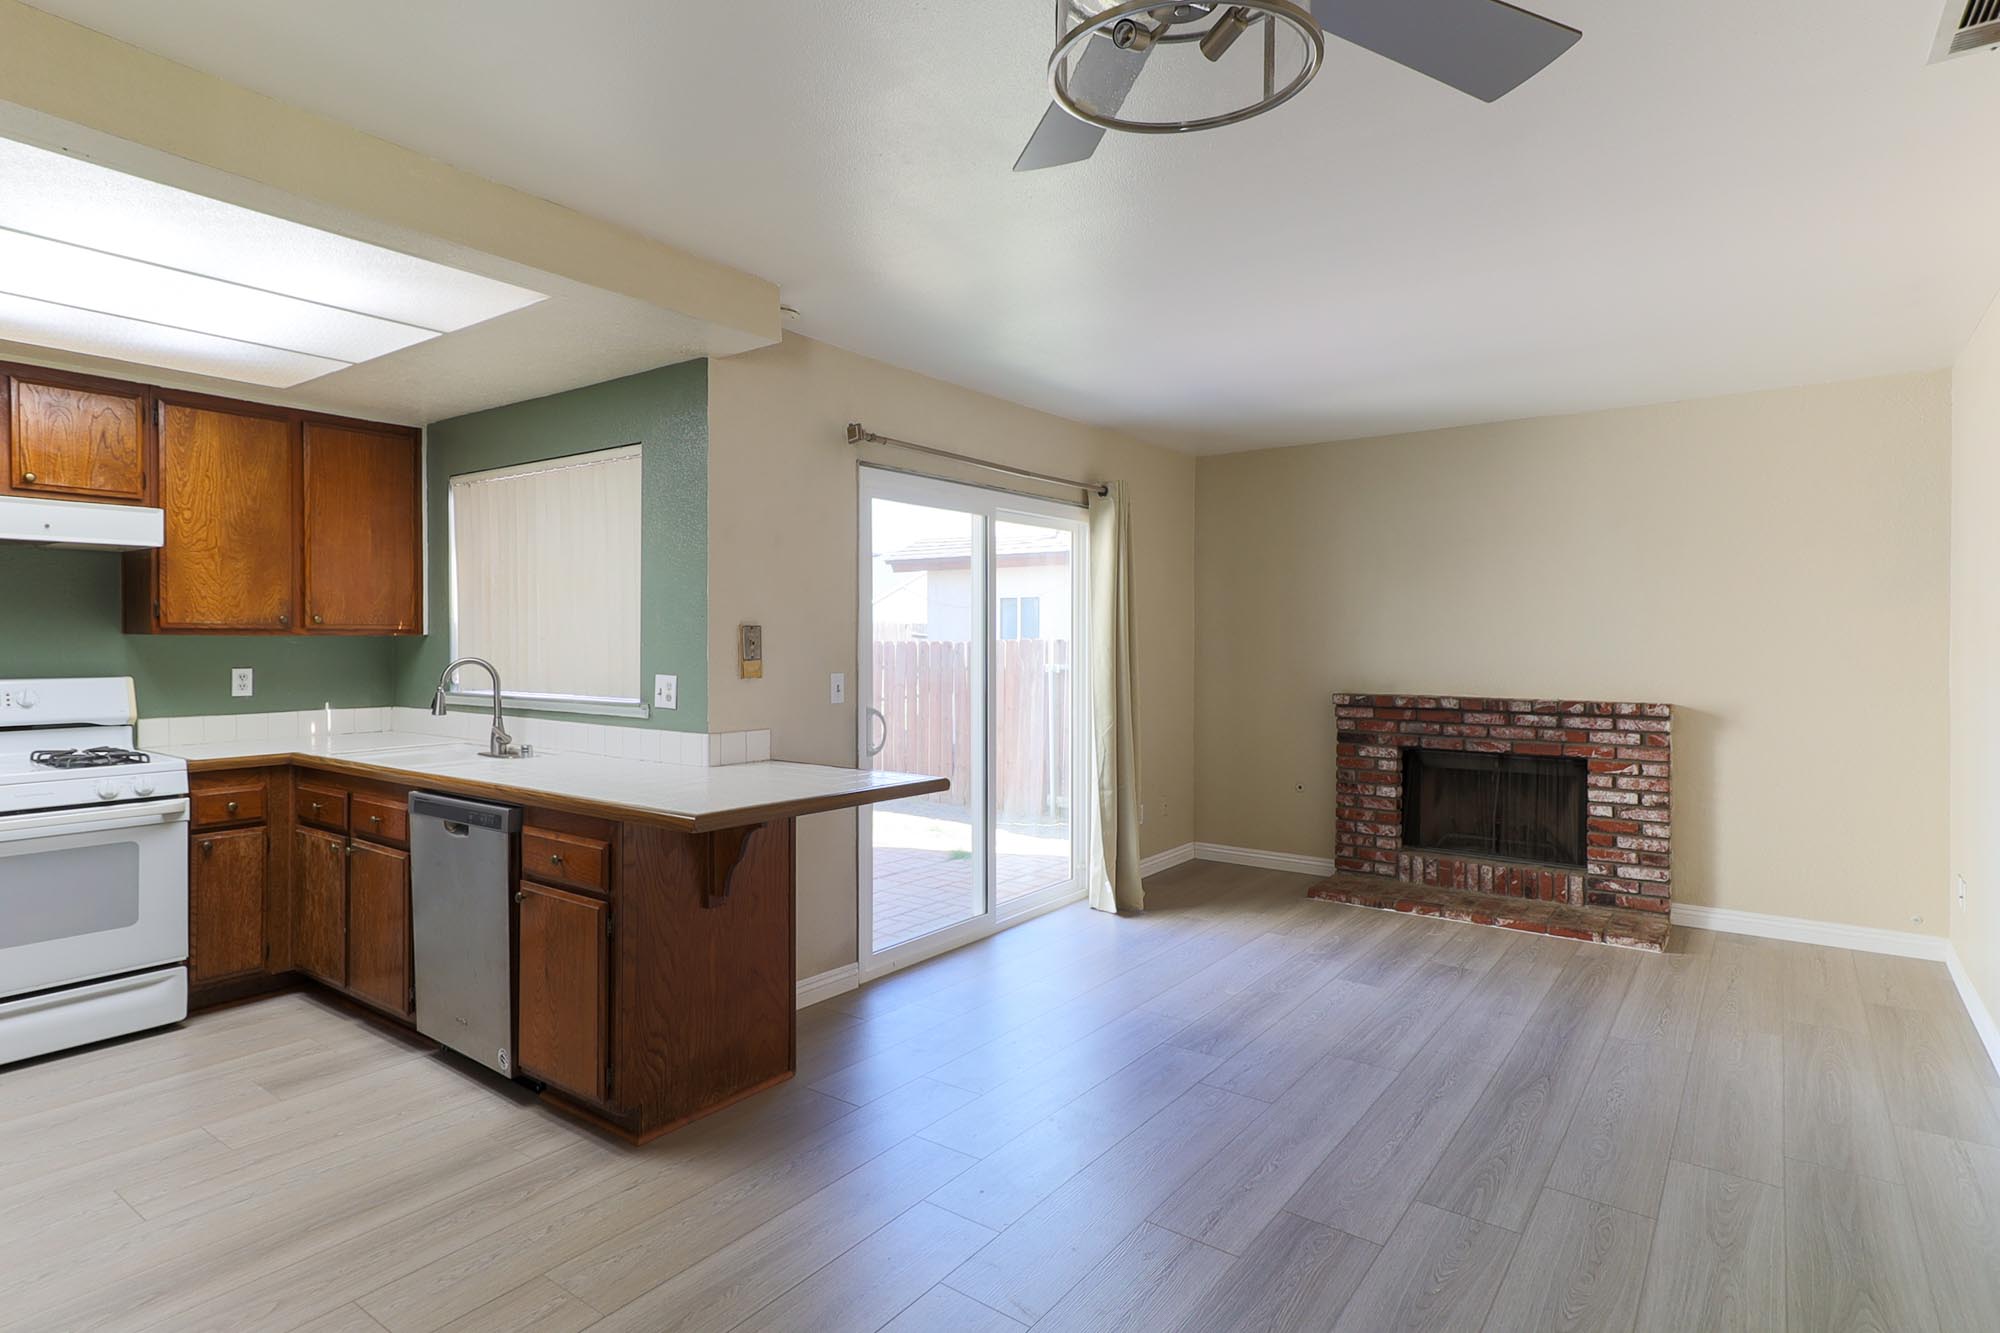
pixel 319 620
pixel 284 620
pixel 232 807
pixel 374 819
pixel 28 478
pixel 555 858
pixel 520 897
pixel 206 846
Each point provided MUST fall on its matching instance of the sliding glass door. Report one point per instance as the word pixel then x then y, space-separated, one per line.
pixel 971 630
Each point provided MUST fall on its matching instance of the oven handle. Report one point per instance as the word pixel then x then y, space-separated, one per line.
pixel 97 819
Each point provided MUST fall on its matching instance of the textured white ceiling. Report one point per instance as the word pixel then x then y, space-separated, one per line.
pixel 1704 196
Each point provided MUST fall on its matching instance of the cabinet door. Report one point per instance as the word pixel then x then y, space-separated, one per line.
pixel 363 529
pixel 72 441
pixel 226 904
pixel 565 990
pixel 228 484
pixel 378 926
pixel 319 880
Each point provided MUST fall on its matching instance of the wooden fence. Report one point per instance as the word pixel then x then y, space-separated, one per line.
pixel 924 689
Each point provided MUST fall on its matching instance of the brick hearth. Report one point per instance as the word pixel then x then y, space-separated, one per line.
pixel 1628 753
pixel 1605 925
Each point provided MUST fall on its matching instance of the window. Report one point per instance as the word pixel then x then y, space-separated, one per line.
pixel 545 576
pixel 1020 617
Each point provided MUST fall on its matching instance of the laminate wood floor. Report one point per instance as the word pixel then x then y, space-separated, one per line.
pixel 1242 1111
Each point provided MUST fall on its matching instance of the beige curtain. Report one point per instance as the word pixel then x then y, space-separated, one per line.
pixel 555 544
pixel 1114 863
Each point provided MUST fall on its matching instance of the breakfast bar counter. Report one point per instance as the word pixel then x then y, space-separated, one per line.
pixel 652 915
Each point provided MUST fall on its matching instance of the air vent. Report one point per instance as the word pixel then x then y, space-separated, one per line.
pixel 1969 25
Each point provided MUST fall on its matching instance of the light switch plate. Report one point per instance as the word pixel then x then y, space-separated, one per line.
pixel 838 692
pixel 239 682
pixel 666 691
pixel 750 651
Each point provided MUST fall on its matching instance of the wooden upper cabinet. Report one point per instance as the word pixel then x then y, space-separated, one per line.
pixel 72 438
pixel 363 520
pixel 228 483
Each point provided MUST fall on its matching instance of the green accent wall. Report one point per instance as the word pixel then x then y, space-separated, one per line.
pixel 666 412
pixel 60 616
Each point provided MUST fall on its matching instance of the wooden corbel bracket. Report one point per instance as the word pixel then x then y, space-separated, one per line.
pixel 726 850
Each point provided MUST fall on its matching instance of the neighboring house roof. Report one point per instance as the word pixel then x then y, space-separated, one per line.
pixel 1018 546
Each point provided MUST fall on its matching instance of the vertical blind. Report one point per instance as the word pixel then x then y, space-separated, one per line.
pixel 545 574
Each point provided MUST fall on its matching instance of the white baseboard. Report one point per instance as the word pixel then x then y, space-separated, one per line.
pixel 1250 856
pixel 1866 939
pixel 1167 860
pixel 1975 1005
pixel 829 984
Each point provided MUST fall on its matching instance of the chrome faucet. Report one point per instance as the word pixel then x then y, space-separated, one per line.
pixel 500 745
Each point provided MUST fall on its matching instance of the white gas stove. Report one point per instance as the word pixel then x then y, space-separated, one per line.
pixel 93 869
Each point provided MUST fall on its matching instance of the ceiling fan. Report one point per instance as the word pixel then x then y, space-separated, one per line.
pixel 1486 48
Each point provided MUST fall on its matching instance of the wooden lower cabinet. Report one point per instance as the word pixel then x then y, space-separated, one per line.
pixel 319 895
pixel 653 968
pixel 378 926
pixel 563 990
pixel 226 881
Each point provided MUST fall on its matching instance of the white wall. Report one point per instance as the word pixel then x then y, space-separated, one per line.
pixel 1975 658
pixel 1773 564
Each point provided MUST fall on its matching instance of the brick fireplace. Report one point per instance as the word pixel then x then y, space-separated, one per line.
pixel 1427 767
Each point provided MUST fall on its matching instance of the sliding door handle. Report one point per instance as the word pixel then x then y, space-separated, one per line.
pixel 872 714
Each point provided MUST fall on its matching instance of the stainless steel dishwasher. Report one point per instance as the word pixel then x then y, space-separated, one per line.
pixel 461 910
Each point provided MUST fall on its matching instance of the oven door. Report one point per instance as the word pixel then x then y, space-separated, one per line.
pixel 92 893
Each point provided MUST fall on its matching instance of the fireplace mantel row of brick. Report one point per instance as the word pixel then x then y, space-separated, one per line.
pixel 1628 753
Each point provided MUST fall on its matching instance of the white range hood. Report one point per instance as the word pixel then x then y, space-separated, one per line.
pixel 81 525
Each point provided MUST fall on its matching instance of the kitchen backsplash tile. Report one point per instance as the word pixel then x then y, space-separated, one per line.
pixel 642 743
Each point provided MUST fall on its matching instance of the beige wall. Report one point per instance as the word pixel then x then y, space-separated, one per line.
pixel 1975 657
pixel 782 524
pixel 1774 564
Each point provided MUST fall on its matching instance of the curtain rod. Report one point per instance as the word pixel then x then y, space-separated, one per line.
pixel 858 434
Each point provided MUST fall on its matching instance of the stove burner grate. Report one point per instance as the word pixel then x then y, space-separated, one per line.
pixel 101 756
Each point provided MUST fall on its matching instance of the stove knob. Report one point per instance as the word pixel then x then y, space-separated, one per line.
pixel 142 786
pixel 107 791
pixel 27 698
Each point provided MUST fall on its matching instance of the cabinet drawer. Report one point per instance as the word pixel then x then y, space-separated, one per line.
pixel 324 807
pixel 237 803
pixel 380 819
pixel 566 858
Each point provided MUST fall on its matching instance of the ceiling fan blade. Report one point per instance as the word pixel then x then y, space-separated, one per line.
pixel 1482 47
pixel 1101 78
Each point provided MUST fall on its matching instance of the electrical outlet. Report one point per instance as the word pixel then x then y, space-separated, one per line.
pixel 837 692
pixel 239 682
pixel 750 651
pixel 666 691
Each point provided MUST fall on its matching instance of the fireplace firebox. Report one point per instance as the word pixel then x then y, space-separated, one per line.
pixel 1507 806
pixel 1454 792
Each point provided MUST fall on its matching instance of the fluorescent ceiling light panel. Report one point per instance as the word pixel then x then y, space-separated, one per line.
pixel 98 262
pixel 69 329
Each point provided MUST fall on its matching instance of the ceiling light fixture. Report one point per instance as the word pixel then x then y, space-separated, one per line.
pixel 1135 27
pixel 101 263
pixel 1485 48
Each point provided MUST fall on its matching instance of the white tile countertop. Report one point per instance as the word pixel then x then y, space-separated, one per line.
pixel 682 795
